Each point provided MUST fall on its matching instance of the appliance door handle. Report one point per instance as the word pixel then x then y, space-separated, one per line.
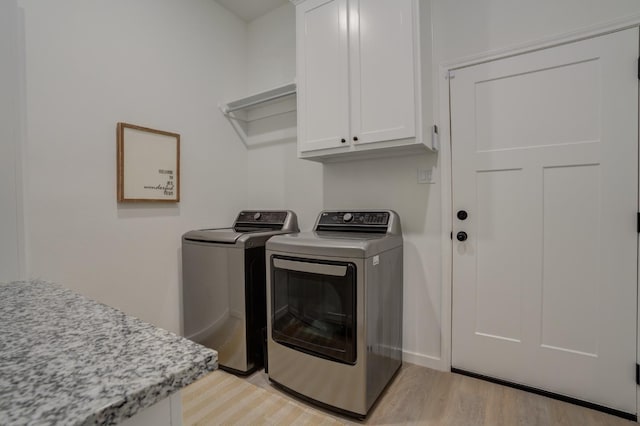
pixel 310 267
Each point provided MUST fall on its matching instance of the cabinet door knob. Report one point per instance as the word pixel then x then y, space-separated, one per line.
pixel 355 138
pixel 343 140
pixel 461 236
pixel 462 214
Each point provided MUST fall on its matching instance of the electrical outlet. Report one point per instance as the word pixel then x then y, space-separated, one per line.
pixel 425 176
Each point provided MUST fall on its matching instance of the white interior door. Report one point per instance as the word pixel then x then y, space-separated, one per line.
pixel 545 163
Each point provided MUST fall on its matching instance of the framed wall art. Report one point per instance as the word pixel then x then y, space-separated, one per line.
pixel 148 164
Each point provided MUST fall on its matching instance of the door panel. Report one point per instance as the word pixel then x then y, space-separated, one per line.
pixel 545 161
pixel 571 261
pixel 499 218
pixel 504 121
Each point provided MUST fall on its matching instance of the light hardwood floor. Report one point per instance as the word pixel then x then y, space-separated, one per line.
pixel 418 396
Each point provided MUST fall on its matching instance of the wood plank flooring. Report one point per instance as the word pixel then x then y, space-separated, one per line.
pixel 223 399
pixel 417 396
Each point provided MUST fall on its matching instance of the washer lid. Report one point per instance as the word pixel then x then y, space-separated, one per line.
pixel 251 229
pixel 219 235
pixel 231 237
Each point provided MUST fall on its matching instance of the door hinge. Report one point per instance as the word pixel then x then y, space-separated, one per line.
pixel 435 139
pixel 451 236
pixel 638 223
pixel 637 374
pixel 638 68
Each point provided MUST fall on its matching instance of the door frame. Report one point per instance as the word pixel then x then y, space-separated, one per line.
pixel 442 74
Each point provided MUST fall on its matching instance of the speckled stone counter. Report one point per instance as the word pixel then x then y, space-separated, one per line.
pixel 67 360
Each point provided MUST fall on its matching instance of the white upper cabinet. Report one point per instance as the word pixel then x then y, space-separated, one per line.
pixel 362 77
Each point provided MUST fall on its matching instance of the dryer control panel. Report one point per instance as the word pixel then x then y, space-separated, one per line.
pixel 353 221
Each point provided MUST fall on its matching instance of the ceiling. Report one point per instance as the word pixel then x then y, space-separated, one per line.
pixel 248 10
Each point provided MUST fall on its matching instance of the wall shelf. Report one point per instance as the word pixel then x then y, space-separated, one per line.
pixel 265 117
pixel 259 98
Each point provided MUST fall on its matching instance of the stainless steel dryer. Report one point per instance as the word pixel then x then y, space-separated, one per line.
pixel 223 287
pixel 334 312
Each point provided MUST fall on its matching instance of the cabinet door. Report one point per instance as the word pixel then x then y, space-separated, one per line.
pixel 323 72
pixel 382 49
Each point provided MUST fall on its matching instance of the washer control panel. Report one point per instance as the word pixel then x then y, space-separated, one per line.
pixel 261 217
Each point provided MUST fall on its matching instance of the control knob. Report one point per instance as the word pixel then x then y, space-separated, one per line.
pixel 257 216
pixel 348 217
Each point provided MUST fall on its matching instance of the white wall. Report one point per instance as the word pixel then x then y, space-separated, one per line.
pixel 277 178
pixel 10 126
pixel 391 183
pixel 466 28
pixel 462 29
pixel 271 55
pixel 157 63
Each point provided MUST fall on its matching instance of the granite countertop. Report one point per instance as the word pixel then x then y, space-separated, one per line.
pixel 68 360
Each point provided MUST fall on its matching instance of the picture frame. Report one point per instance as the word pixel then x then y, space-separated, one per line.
pixel 148 164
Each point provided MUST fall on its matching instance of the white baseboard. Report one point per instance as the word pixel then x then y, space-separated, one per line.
pixel 422 360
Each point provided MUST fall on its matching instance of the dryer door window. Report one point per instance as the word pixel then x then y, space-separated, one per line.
pixel 314 307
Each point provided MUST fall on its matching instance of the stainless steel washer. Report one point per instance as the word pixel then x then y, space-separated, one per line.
pixel 223 287
pixel 334 312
